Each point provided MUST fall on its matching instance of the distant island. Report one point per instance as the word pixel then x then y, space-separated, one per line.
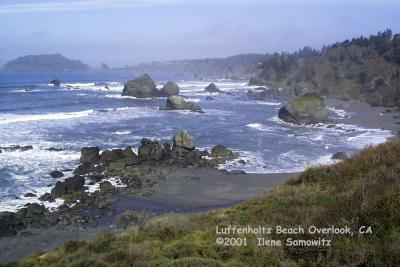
pixel 51 62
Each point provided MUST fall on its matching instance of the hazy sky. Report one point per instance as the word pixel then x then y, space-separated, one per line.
pixel 121 32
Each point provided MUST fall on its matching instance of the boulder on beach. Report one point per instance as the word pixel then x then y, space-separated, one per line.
pixel 169 89
pixel 150 150
pixel 183 144
pixel 212 88
pixel 141 87
pixel 306 109
pixel 176 102
pixel 106 187
pixel 184 140
pixel 70 185
pixel 56 82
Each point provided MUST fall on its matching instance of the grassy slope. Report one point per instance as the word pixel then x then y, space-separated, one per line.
pixel 363 190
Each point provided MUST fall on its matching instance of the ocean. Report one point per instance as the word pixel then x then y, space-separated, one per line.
pixel 82 112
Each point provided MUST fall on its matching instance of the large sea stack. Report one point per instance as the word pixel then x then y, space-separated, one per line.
pixel 141 87
pixel 306 109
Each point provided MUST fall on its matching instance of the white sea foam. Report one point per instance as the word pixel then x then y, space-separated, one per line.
pixel 260 127
pixel 269 103
pixel 340 113
pixel 13 118
pixel 121 132
pixel 127 97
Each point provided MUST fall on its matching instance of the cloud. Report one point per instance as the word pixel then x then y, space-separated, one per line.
pixel 75 5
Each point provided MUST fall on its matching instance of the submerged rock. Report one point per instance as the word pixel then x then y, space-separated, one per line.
pixel 212 88
pixel 179 103
pixel 14 148
pixel 56 82
pixel 141 87
pixel 57 174
pixel 309 108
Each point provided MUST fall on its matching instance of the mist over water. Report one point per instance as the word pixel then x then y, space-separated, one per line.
pixel 83 113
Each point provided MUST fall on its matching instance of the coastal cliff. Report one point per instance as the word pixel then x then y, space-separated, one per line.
pixel 363 68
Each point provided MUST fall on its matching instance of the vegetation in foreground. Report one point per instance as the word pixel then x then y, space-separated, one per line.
pixel 361 190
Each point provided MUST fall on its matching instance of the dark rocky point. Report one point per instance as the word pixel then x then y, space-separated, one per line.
pixel 56 174
pixel 220 151
pixel 56 82
pixel 212 88
pixel 69 186
pixel 307 109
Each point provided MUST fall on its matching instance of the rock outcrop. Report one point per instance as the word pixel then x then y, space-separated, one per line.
pixel 56 82
pixel 307 109
pixel 90 155
pixel 179 103
pixel 212 88
pixel 169 89
pixel 70 185
pixel 141 87
pixel 220 151
pixel 56 174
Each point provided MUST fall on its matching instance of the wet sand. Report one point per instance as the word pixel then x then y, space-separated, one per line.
pixel 184 191
pixel 362 114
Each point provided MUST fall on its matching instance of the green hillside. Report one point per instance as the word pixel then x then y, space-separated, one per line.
pixel 361 68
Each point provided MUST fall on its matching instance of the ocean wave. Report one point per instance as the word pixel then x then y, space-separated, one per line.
pixel 127 97
pixel 340 113
pixel 13 118
pixel 269 103
pixel 260 127
pixel 121 132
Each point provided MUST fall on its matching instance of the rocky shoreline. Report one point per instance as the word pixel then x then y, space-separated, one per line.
pixel 136 173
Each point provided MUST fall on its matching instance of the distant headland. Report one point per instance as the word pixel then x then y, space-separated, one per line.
pixel 49 62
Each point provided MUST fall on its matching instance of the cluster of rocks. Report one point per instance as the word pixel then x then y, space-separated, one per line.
pixel 152 156
pixel 144 87
pixel 32 215
pixel 126 164
pixel 14 148
pixel 306 109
